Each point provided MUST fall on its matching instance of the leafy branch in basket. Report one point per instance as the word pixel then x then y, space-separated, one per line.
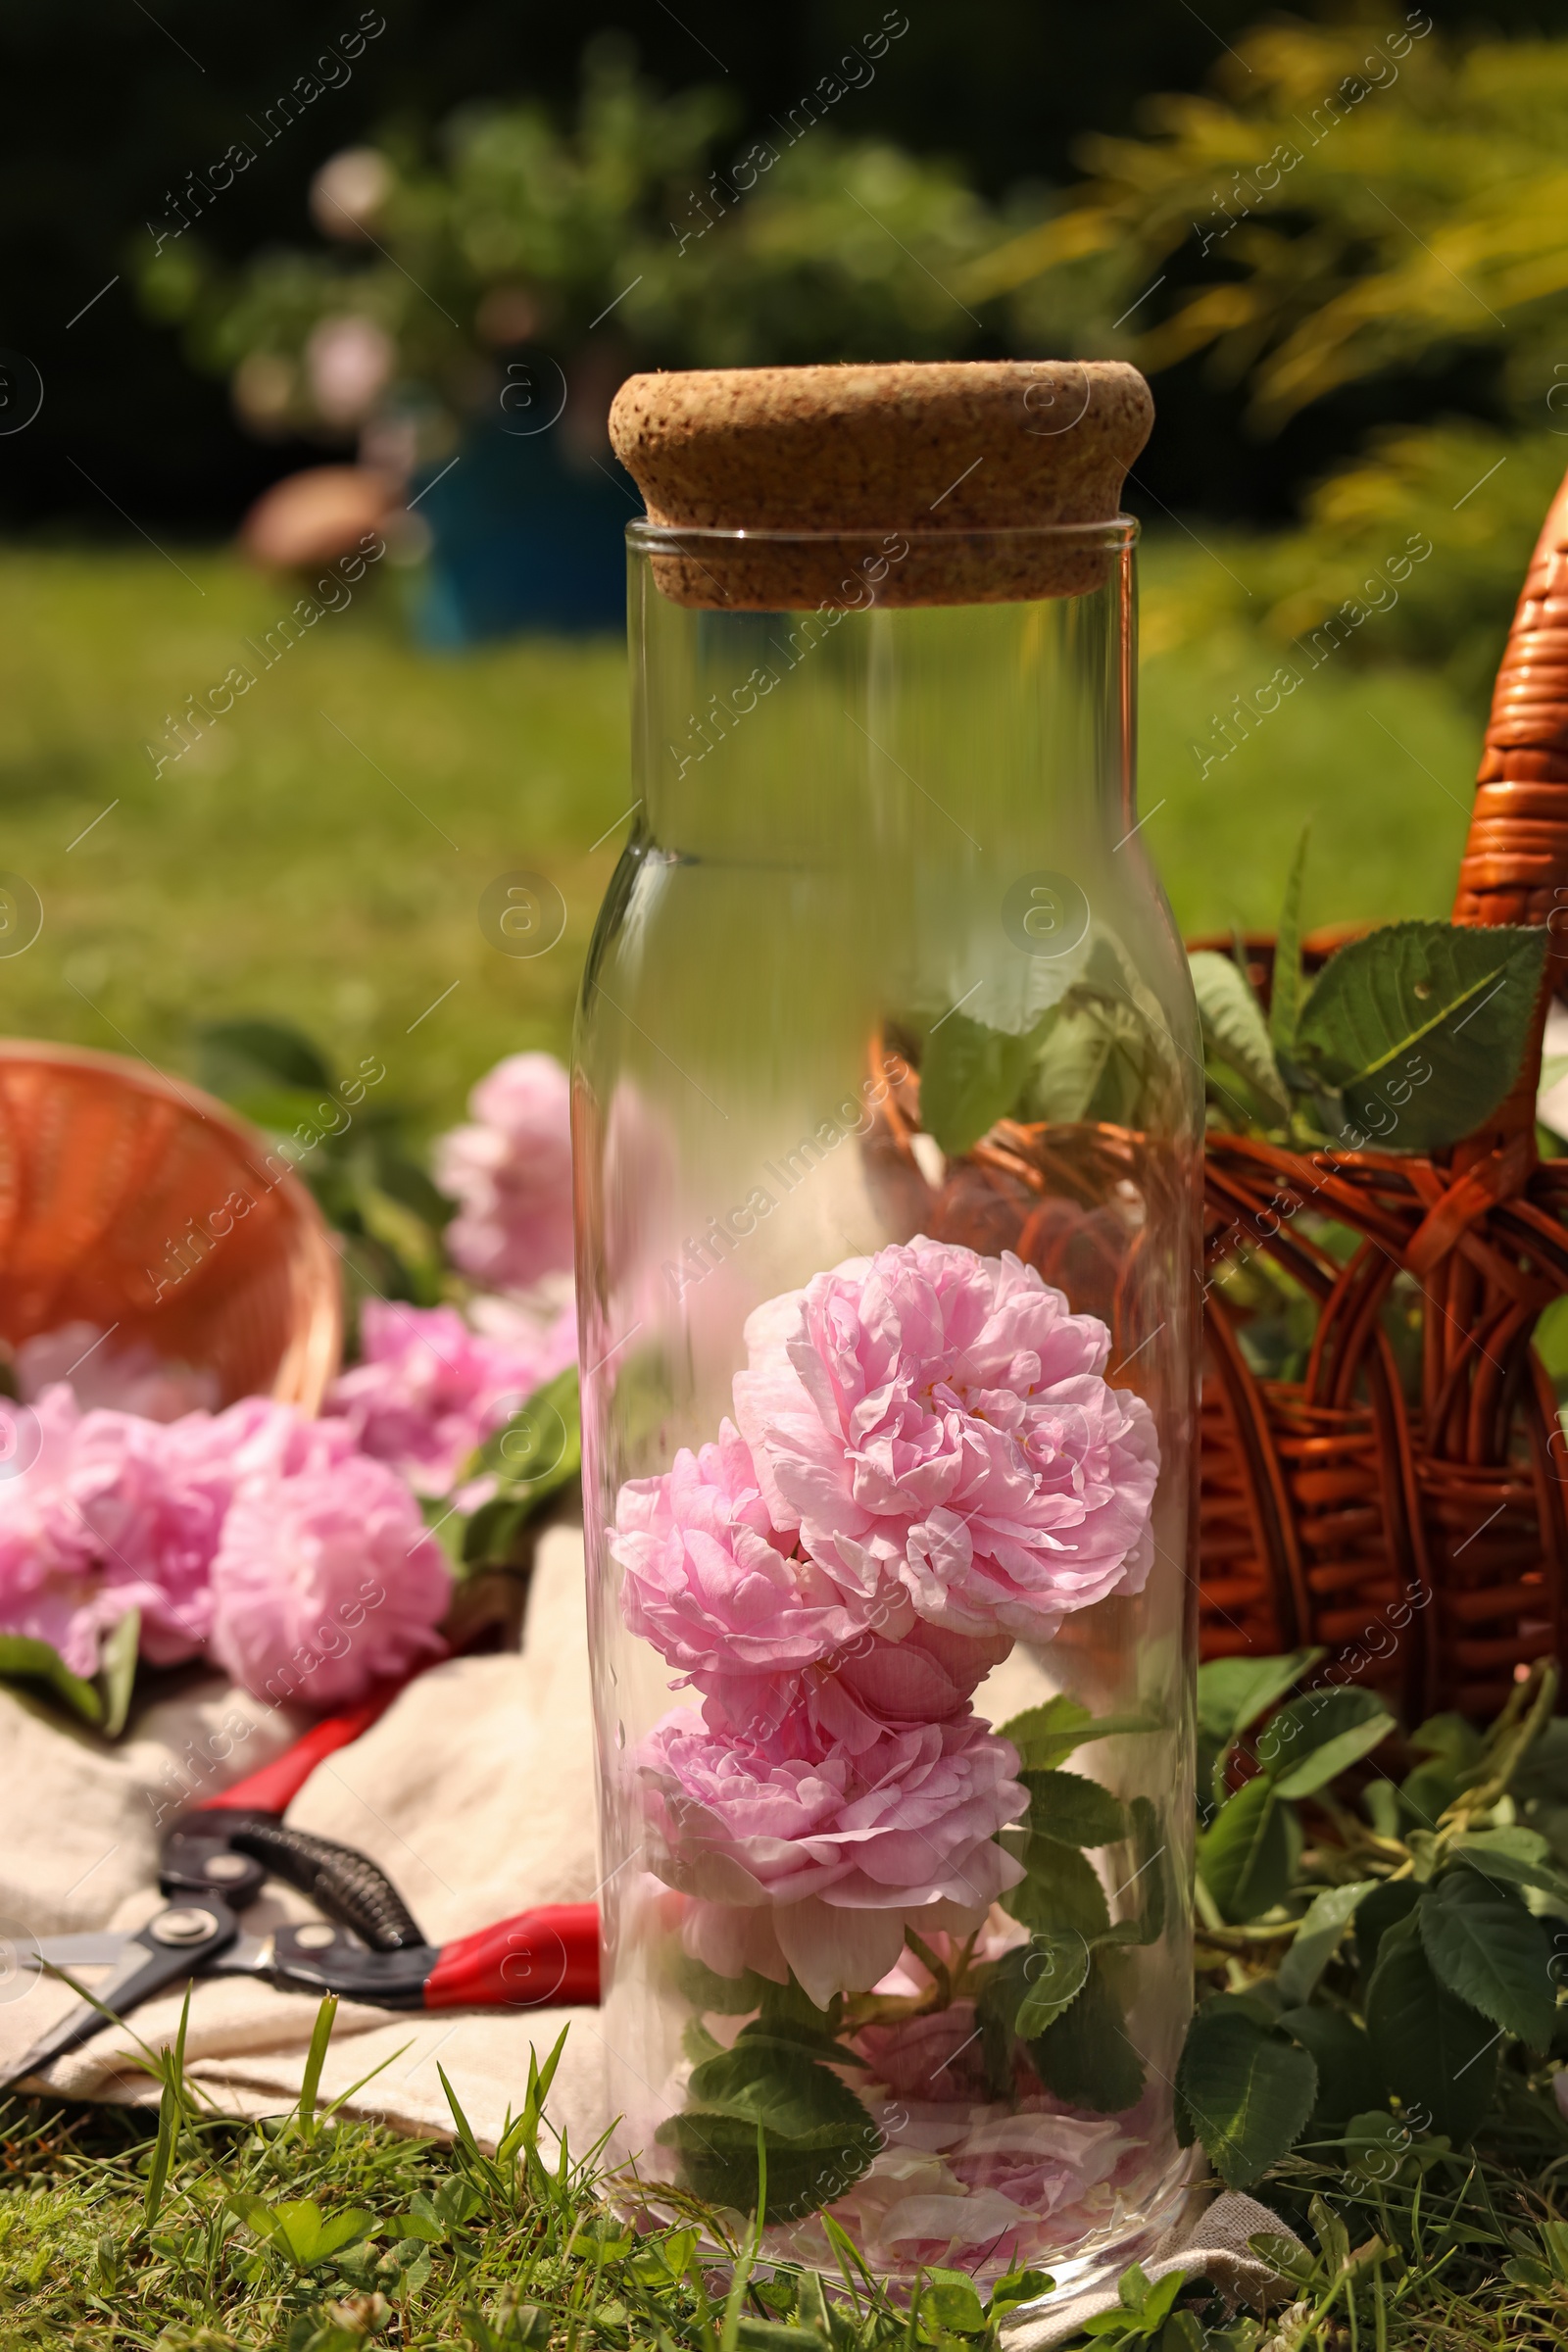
pixel 1383 1957
pixel 1406 1039
pixel 1405 1042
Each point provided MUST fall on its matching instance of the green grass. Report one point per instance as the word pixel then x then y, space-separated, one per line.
pixel 277 867
pixel 195 2235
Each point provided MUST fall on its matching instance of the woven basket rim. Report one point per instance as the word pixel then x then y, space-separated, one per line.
pixel 317 1337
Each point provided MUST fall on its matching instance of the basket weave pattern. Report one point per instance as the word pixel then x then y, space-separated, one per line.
pixel 1424 1540
pixel 122 1199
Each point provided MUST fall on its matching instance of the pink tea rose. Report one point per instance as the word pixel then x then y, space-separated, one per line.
pixel 203 1459
pixel 1039 2160
pixel 510 1172
pixel 934 2055
pixel 709 1582
pixel 152 1513
pixel 922 1675
pixel 105 1511
pixel 253 1533
pixel 844 1830
pixel 428 1390
pixel 50 1586
pixel 326 1582
pixel 936 1420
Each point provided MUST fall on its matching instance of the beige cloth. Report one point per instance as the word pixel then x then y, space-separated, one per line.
pixel 474 1793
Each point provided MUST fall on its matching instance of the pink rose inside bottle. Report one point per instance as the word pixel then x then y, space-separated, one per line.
pixel 886 1141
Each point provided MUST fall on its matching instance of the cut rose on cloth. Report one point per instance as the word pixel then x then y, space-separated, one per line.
pixel 248 1533
pixel 510 1172
pixel 294 1552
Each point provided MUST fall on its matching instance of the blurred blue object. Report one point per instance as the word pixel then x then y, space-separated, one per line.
pixel 526 534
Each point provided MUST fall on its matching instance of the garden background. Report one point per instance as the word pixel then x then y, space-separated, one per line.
pixel 1337 242
pixel 1357 348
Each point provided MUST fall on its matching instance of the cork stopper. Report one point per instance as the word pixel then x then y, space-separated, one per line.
pixel 893 476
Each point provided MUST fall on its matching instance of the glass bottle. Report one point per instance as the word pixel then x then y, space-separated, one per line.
pixel 888 1120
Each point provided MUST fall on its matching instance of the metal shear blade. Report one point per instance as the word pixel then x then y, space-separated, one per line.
pixel 180 1941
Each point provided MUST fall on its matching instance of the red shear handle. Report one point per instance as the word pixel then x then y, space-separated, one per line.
pixel 551 1954
pixel 275 1788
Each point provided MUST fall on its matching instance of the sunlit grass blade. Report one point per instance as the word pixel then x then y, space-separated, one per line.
pixel 314 2060
pixel 170 2115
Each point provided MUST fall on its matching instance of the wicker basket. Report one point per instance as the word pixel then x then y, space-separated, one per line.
pixel 135 1203
pixel 1422 1538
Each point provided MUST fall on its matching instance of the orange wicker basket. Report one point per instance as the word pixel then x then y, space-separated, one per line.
pixel 133 1202
pixel 1418 1530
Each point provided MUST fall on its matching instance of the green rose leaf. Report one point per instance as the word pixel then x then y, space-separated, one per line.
pixel 1148 1871
pixel 1318 1937
pixel 1232 1692
pixel 238 1058
pixel 1247 1853
pixel 1246 2095
pixel 1044 1736
pixel 1513 1857
pixel 1435 2051
pixel 1542 1773
pixel 1062 1890
pixel 805 2170
pixel 1450 1750
pixel 490 1538
pixel 760 2035
pixel 971 1077
pixel 1235 1032
pixel 117 1671
pixel 776 2084
pixel 1451 1735
pixel 1382 1909
pixel 1073 1810
pixel 28 1661
pixel 1421 1026
pixel 714 1995
pixel 1090 1060
pixel 1087 2057
pixel 1346 2071
pixel 1315 1738
pixel 540 1448
pixel 1056 1969
pixel 1483 1945
pixel 817 2134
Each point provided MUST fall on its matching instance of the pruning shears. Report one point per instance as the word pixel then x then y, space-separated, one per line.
pixel 215 1861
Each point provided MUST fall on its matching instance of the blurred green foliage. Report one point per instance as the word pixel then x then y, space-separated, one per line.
pixel 518 234
pixel 1348 205
pixel 348 1142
